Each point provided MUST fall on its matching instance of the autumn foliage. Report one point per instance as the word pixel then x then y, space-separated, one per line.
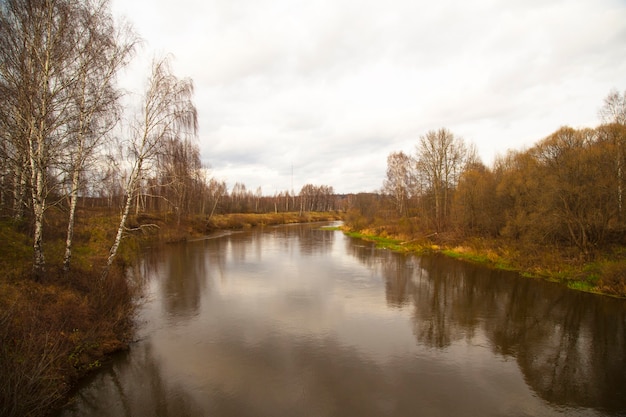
pixel 557 207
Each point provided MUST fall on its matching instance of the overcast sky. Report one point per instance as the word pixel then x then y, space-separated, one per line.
pixel 331 87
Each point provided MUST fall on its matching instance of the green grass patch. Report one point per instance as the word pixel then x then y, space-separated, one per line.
pixel 464 256
pixel 564 265
pixel 382 242
pixel 582 285
pixel 484 257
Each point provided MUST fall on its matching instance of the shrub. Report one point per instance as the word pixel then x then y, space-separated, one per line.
pixel 613 279
pixel 52 334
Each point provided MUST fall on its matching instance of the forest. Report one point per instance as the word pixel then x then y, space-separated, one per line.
pixel 69 140
pixel 556 208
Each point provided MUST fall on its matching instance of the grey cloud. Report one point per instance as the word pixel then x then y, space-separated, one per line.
pixel 333 86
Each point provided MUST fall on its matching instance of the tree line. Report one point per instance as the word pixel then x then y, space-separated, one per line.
pixel 567 190
pixel 67 139
pixel 310 198
pixel 61 114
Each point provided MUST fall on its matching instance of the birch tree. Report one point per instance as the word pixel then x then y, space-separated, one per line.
pixel 400 181
pixel 178 170
pixel 168 113
pixel 216 191
pixel 104 50
pixel 58 59
pixel 39 43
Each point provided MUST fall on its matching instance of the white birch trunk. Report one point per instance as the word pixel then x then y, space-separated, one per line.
pixel 70 224
pixel 37 152
pixel 39 207
pixel 167 112
pixel 131 189
pixel 19 195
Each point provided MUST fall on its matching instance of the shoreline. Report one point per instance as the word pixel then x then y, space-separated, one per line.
pixel 583 277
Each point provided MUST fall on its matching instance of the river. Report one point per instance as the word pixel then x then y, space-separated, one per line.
pixel 300 321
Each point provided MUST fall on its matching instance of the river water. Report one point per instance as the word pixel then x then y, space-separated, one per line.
pixel 299 321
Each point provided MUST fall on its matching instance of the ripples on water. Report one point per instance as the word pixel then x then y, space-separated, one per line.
pixel 294 321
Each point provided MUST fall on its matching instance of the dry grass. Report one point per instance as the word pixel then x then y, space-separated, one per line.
pixel 55 331
pixel 603 272
pixel 247 220
pixel 613 278
pixel 51 334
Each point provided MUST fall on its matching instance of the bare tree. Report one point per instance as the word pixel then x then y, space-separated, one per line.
pixel 614 108
pixel 400 180
pixel 475 203
pixel 178 174
pixel 31 49
pixel 12 129
pixel 104 50
pixel 239 197
pixel 168 113
pixel 216 191
pixel 40 47
pixel 316 198
pixel 440 160
pixel 613 112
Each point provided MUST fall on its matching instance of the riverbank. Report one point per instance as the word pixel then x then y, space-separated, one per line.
pixel 54 332
pixel 605 274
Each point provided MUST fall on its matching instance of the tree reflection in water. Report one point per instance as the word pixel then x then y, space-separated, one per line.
pixel 570 346
pixel 133 388
pixel 294 320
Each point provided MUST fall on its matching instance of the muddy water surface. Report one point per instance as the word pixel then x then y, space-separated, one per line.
pixel 299 321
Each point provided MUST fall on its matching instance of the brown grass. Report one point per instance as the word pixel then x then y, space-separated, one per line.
pixel 601 272
pixel 54 332
pixel 613 279
pixel 246 220
pixel 51 334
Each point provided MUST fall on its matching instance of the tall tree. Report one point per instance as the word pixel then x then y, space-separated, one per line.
pixel 167 113
pixel 104 50
pixel 613 137
pixel 39 48
pixel 32 48
pixel 613 113
pixel 613 109
pixel 316 198
pixel 576 192
pixel 475 202
pixel 441 157
pixel 58 59
pixel 178 168
pixel 400 181
pixel 216 191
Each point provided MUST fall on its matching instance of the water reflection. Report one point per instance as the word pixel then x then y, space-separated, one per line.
pixel 569 346
pixel 134 386
pixel 296 320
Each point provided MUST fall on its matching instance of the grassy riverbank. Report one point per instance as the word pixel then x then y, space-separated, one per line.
pixel 604 274
pixel 56 331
